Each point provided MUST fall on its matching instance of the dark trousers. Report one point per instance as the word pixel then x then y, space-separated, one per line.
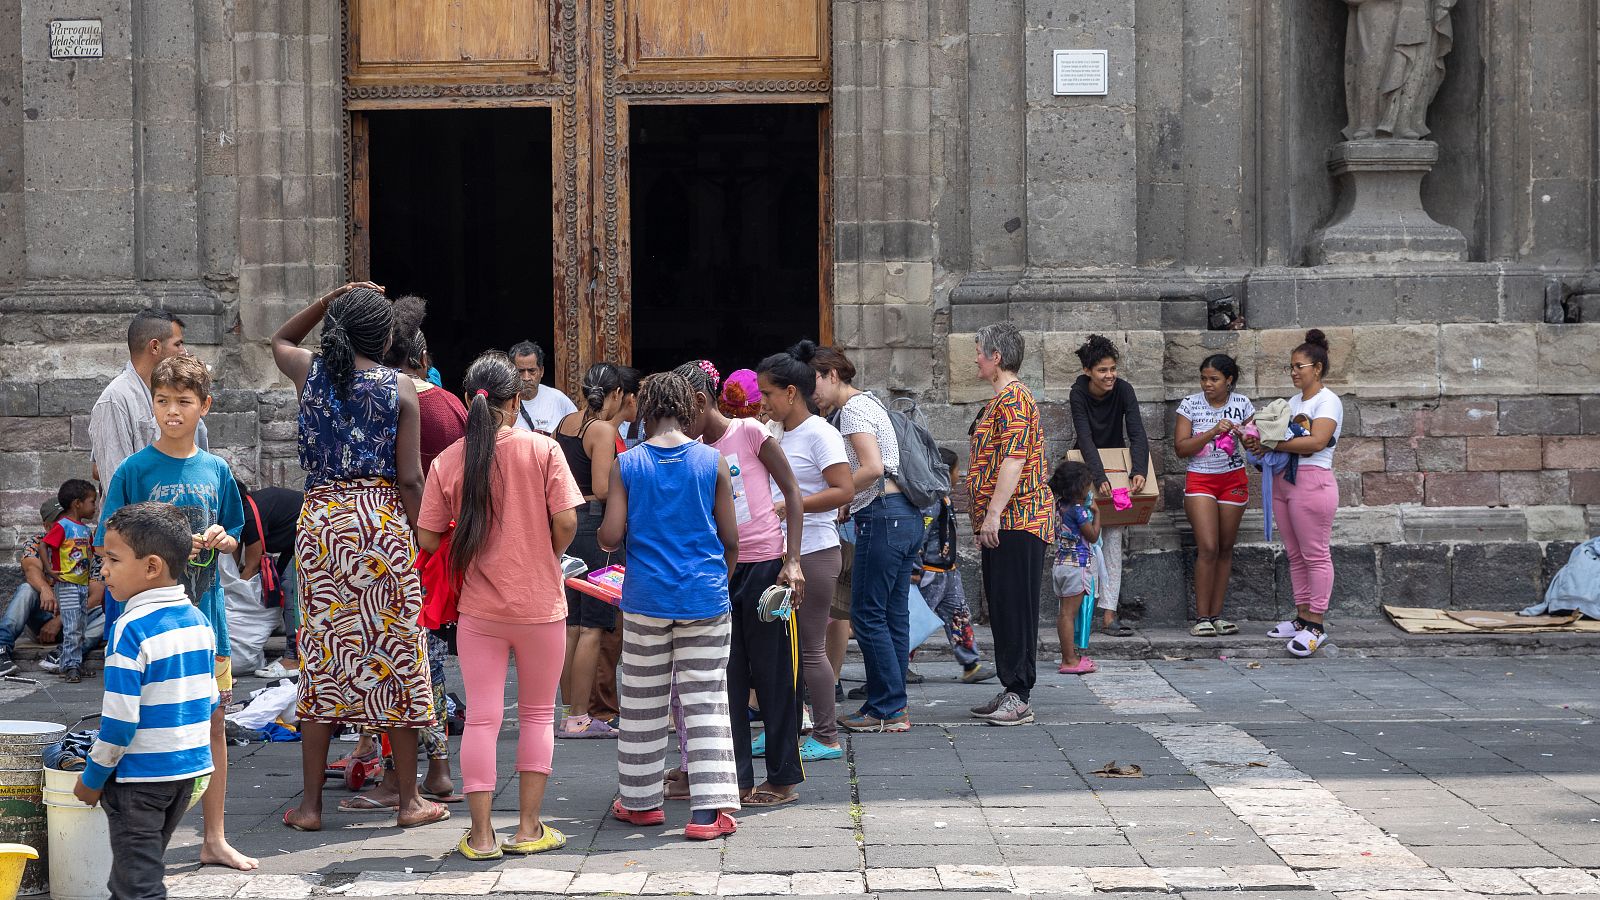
pixel 763 657
pixel 1013 575
pixel 142 817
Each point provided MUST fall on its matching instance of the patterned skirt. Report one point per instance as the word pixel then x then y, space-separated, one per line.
pixel 364 658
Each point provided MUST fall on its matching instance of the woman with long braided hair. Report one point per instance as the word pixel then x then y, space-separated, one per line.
pixel 363 657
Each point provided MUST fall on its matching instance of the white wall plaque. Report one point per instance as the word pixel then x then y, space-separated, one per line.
pixel 76 39
pixel 1080 73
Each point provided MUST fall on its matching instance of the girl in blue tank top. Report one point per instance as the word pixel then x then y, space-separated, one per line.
pixel 672 498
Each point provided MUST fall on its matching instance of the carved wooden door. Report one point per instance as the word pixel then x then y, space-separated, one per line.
pixel 588 62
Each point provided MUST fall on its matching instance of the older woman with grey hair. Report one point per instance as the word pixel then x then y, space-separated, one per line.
pixel 1013 514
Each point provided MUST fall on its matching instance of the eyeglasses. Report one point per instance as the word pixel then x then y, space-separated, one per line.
pixel 1293 367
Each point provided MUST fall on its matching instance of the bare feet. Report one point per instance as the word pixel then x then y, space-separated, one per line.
pixel 438 784
pixel 423 812
pixel 221 853
pixel 302 819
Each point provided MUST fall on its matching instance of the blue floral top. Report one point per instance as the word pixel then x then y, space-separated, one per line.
pixel 343 440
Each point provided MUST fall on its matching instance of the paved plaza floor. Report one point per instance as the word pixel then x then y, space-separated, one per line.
pixel 1403 778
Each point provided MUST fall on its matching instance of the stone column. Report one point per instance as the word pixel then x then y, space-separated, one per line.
pixel 1082 155
pixel 11 224
pixel 79 148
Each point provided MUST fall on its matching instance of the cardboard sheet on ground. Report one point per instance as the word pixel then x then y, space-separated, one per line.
pixel 1421 620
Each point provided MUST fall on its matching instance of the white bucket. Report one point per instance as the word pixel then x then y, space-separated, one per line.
pixel 82 837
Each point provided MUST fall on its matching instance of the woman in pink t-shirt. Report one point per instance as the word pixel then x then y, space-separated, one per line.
pixel 514 503
pixel 765 655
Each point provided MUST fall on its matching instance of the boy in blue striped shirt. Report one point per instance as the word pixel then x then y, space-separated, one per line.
pixel 160 692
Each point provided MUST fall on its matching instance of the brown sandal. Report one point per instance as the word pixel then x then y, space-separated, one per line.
pixel 767 798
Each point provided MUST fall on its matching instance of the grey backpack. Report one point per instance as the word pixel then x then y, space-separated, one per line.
pixel 922 475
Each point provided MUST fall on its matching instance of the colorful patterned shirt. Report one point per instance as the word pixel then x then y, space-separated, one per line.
pixel 1008 428
pixel 1071 547
pixel 67 551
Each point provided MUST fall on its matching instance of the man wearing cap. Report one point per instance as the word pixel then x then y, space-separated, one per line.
pixel 27 611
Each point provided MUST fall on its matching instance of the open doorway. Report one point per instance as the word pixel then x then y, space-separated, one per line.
pixel 724 230
pixel 461 215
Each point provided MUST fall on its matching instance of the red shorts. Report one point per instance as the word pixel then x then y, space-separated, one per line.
pixel 1227 488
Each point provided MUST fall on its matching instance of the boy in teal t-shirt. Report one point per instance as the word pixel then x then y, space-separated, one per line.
pixel 175 470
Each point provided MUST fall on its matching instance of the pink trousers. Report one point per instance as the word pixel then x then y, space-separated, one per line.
pixel 1304 514
pixel 484 649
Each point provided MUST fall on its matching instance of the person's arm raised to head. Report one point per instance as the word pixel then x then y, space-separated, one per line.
pixel 614 527
pixel 408 451
pixel 294 360
pixel 727 517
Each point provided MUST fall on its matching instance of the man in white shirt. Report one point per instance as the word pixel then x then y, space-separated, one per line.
pixel 543 407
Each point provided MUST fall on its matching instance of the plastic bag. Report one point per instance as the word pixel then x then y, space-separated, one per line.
pixel 266 705
pixel 249 623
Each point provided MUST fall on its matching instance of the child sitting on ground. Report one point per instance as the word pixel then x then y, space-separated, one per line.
pixel 1076 532
pixel 155 732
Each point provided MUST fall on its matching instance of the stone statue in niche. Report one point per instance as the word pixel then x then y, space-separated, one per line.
pixel 1393 65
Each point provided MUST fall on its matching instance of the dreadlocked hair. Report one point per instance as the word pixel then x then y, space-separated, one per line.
pixel 357 324
pixel 666 395
pixel 405 342
pixel 491 382
pixel 702 376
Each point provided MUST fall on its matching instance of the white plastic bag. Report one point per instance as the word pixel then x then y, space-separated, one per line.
pixel 266 706
pixel 249 623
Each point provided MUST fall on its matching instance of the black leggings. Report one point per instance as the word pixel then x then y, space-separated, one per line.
pixel 1013 575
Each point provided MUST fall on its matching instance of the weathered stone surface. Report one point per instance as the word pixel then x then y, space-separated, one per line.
pixel 35 433
pixel 65 396
pixel 1495 576
pixel 1355 581
pixel 1461 417
pixel 1540 415
pixel 1572 452
pixel 1483 359
pixel 1415 575
pixel 1393 361
pixel 1360 454
pixel 1556 523
pixel 1461 489
pixel 1500 454
pixel 1383 489
pixel 1585 487
pixel 1426 524
pixel 1535 488
pixel 1568 361
pixel 19 399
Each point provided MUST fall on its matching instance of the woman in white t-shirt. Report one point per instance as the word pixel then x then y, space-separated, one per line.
pixel 1216 488
pixel 817 456
pixel 888 535
pixel 1304 508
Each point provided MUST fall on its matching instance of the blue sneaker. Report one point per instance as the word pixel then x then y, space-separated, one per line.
pixel 814 750
pixel 758 747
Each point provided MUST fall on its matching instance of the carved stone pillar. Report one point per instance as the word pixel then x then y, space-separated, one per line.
pixel 1380 218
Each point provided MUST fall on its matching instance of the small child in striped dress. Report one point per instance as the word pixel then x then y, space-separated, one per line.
pixel 160 691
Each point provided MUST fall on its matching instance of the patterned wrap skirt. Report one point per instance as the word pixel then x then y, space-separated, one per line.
pixel 364 658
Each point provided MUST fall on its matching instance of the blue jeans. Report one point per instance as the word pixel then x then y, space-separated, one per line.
pixel 26 613
pixel 70 598
pixel 888 537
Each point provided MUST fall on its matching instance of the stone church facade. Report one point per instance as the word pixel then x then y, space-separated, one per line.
pixel 211 160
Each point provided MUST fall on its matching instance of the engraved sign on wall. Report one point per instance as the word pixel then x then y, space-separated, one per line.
pixel 76 39
pixel 1080 73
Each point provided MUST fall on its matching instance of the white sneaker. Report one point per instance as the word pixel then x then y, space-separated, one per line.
pixel 1305 643
pixel 51 661
pixel 1285 629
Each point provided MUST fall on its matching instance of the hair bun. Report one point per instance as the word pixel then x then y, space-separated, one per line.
pixel 805 351
pixel 1317 338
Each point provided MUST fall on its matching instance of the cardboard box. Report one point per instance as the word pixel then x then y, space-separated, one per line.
pixel 1117 462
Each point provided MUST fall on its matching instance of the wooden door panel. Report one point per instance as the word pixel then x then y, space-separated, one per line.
pixel 395 34
pixel 725 38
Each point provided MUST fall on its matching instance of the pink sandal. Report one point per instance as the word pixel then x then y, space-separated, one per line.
pixel 1085 666
pixel 592 729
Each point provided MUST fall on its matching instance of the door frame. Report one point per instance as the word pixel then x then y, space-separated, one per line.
pixel 591 254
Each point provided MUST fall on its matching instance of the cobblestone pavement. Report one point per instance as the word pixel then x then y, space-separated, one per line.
pixel 1356 778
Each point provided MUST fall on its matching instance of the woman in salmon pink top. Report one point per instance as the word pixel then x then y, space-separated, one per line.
pixel 514 502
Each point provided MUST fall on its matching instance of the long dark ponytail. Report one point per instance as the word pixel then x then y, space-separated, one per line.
pixel 358 323
pixel 491 381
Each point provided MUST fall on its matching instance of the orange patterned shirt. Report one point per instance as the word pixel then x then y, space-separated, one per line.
pixel 1009 428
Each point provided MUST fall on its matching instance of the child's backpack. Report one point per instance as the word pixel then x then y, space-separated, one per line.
pixel 939 545
pixel 922 475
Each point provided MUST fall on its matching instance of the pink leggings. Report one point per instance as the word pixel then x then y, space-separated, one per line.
pixel 1304 513
pixel 484 648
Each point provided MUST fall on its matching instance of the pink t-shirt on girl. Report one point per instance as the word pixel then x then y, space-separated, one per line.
pixel 760 532
pixel 516 578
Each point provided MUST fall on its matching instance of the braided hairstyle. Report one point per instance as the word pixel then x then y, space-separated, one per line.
pixel 666 395
pixel 358 323
pixel 702 377
pixel 491 382
pixel 598 383
pixel 405 342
